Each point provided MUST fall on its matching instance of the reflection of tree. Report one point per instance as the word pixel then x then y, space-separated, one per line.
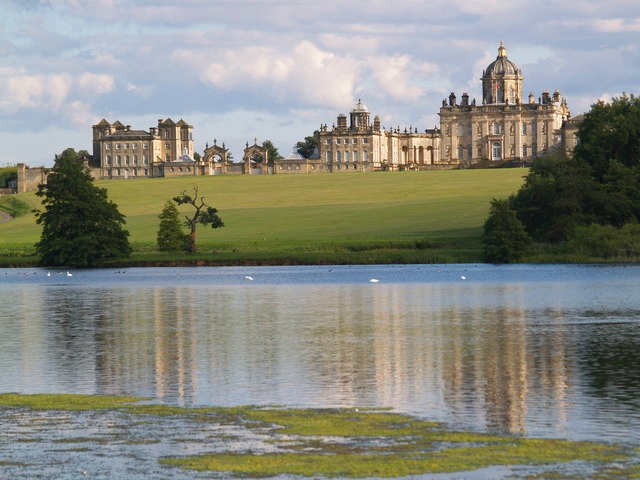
pixel 610 356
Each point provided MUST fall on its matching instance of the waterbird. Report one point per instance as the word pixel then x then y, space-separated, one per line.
pixel 462 277
pixel 374 280
pixel 248 277
pixel 69 274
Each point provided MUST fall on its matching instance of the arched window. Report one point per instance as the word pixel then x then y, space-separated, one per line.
pixel 496 128
pixel 460 151
pixel 534 149
pixel 496 151
pixel 524 150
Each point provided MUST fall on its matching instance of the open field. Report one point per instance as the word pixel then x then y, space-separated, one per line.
pixel 323 218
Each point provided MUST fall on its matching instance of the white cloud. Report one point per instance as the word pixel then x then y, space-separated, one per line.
pixel 97 83
pixel 24 91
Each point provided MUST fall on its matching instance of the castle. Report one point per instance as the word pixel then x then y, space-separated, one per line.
pixel 501 128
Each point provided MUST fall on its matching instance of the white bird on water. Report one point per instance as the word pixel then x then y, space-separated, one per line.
pixel 248 277
pixel 374 280
pixel 69 274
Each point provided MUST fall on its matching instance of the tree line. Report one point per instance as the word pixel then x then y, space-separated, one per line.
pixel 587 201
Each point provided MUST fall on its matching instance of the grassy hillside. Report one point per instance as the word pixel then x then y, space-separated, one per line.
pixel 309 216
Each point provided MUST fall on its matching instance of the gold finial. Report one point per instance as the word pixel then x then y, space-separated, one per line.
pixel 502 51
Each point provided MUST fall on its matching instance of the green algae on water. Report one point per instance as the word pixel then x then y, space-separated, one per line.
pixel 346 443
pixel 357 444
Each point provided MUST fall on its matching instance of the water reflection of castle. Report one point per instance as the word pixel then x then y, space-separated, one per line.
pixel 397 345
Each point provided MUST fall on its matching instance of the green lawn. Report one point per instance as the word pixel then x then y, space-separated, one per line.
pixel 281 214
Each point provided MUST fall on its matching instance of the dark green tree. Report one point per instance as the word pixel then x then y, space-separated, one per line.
pixel 558 194
pixel 272 152
pixel 204 214
pixel 309 145
pixel 170 236
pixel 504 238
pixel 608 133
pixel 81 227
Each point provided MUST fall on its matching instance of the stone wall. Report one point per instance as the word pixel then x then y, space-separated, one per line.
pixel 30 178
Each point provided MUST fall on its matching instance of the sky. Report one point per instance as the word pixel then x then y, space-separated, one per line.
pixel 247 70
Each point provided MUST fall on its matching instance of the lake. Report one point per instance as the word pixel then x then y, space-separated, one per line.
pixel 536 350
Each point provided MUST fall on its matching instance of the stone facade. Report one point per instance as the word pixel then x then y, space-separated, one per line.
pixel 165 150
pixel 499 129
pixel 502 127
pixel 357 145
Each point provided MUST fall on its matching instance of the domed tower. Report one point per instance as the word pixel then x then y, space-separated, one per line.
pixel 360 117
pixel 502 80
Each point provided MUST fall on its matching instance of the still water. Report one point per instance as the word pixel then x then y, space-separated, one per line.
pixel 548 351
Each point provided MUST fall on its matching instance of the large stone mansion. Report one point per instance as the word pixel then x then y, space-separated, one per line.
pixel 500 128
pixel 505 126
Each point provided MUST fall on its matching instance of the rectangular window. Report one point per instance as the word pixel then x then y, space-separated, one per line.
pixel 355 156
pixel 338 141
pixel 328 141
pixel 117 146
pixel 145 146
pixel 355 140
pixel 135 159
pixel 126 146
pixel 365 140
pixel 134 146
pixel 107 147
pixel 524 128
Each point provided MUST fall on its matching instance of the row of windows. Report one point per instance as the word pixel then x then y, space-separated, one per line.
pixel 465 129
pixel 348 156
pixel 134 172
pixel 346 141
pixel 184 135
pixel 127 160
pixel 527 150
pixel 134 146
